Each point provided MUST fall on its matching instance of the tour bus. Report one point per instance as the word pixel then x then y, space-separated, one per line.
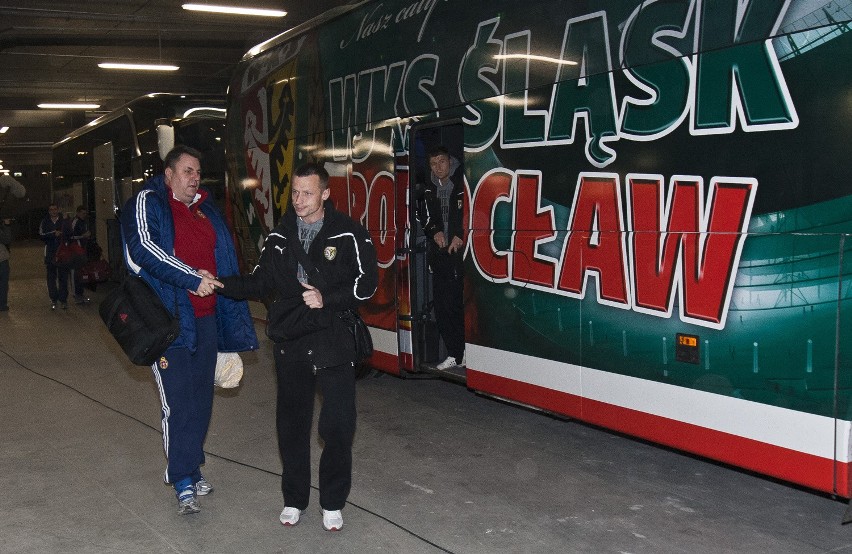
pixel 657 204
pixel 102 164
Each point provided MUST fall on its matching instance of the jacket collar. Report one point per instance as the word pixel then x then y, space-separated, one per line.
pixel 288 220
pixel 158 185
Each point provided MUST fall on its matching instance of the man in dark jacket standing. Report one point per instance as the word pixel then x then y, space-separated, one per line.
pixel 175 239
pixel 52 233
pixel 313 347
pixel 5 244
pixel 441 217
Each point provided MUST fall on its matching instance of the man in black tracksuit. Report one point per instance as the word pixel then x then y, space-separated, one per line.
pixel 441 217
pixel 312 345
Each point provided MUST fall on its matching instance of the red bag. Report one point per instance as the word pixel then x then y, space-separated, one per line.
pixel 70 254
pixel 97 271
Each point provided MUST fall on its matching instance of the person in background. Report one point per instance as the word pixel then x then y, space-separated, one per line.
pixel 52 232
pixel 5 244
pixel 441 217
pixel 313 347
pixel 79 231
pixel 172 232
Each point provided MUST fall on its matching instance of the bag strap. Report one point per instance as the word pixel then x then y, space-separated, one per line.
pixel 310 269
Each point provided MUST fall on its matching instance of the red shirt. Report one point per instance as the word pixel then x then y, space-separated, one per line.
pixel 195 244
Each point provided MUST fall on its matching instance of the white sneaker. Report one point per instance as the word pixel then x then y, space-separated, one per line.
pixel 290 516
pixel 332 520
pixel 203 487
pixel 447 364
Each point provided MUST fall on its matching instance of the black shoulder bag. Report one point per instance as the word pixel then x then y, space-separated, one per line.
pixel 350 317
pixel 136 317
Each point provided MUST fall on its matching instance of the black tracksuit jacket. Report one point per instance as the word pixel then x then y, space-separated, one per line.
pixel 345 258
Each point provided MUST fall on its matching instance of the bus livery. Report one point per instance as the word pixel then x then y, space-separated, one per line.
pixel 657 204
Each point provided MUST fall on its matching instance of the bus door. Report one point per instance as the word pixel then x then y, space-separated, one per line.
pixel 107 229
pixel 403 262
pixel 428 348
pixel 364 187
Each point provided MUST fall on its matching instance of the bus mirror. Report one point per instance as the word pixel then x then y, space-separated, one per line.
pixel 165 139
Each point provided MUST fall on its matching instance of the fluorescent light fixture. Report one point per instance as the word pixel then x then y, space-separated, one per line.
pixel 233 10
pixel 48 106
pixel 533 57
pixel 138 66
pixel 4 129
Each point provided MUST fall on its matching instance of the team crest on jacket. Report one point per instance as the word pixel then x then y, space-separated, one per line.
pixel 329 252
pixel 164 363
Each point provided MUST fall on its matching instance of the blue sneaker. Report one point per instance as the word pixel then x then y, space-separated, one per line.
pixel 187 502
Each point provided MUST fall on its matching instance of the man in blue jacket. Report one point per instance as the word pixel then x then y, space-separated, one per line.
pixel 172 234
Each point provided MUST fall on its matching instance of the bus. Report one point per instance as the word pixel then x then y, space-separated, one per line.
pixel 658 209
pixel 102 164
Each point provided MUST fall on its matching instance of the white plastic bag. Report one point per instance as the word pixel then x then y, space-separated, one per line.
pixel 229 370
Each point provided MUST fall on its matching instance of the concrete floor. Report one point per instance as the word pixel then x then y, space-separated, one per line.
pixel 437 468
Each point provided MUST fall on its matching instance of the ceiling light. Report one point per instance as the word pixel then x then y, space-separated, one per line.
pixel 234 10
pixel 48 106
pixel 3 129
pixel 138 66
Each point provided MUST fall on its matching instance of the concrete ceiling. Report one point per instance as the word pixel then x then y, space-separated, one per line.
pixel 49 51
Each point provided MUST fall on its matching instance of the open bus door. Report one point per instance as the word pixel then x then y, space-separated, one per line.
pixel 427 347
pixel 112 185
pixel 107 230
pixel 365 188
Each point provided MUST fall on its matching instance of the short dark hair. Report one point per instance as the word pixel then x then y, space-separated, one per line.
pixel 81 209
pixel 312 168
pixel 175 153
pixel 436 151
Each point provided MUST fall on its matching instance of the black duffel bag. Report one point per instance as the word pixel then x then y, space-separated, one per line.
pixel 360 332
pixel 136 317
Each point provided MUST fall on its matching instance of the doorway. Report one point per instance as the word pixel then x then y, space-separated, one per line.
pixel 429 347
